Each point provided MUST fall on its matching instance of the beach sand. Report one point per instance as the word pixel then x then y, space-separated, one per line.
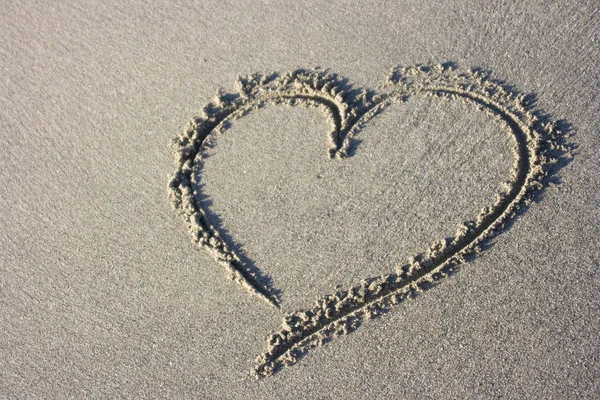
pixel 104 294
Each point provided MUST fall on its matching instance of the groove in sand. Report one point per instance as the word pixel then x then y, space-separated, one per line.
pixel 342 312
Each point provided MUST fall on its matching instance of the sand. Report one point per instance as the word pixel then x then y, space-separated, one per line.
pixel 302 186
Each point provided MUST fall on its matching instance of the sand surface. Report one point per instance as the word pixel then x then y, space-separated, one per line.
pixel 103 294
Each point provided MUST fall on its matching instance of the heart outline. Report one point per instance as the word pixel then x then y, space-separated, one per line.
pixel 537 140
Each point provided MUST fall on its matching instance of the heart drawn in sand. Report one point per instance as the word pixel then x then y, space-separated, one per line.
pixel 538 145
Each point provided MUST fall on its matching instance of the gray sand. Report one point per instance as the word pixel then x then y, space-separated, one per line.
pixel 103 293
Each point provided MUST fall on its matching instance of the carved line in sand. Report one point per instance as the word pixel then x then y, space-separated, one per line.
pixel 535 141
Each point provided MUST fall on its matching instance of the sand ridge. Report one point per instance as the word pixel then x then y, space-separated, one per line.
pixel 538 145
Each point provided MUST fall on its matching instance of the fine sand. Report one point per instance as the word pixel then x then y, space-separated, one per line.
pixel 255 201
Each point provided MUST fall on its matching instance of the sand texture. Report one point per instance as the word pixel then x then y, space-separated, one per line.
pixel 432 166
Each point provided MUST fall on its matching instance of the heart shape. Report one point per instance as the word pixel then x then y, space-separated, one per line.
pixel 536 140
